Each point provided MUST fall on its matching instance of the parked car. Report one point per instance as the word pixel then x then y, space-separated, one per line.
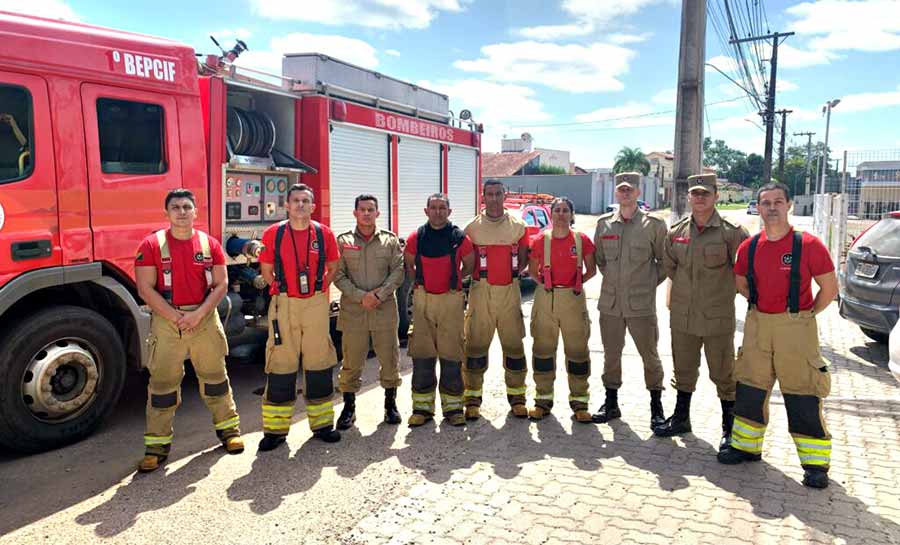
pixel 894 350
pixel 641 204
pixel 752 208
pixel 870 282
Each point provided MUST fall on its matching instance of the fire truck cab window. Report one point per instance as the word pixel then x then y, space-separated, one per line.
pixel 132 137
pixel 541 218
pixel 16 131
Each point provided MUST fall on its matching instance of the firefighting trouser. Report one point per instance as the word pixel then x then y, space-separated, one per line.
pixel 560 311
pixel 645 333
pixel 783 347
pixel 719 351
pixel 168 347
pixel 305 337
pixel 495 308
pixel 437 333
pixel 355 344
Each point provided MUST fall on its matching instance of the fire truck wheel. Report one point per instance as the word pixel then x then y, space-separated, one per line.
pixel 61 373
pixel 404 307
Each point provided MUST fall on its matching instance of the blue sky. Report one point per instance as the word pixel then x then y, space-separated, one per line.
pixel 567 71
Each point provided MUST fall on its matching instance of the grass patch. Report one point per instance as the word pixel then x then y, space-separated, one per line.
pixel 731 206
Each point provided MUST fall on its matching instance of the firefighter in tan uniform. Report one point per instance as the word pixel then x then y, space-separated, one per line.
pixel 369 272
pixel 561 260
pixel 438 254
pixel 699 258
pixel 629 253
pixel 181 275
pixel 495 300
pixel 775 270
pixel 299 260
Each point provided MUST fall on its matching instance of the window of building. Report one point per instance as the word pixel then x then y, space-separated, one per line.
pixel 132 137
pixel 16 133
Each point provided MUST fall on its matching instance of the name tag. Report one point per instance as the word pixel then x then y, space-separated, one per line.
pixel 681 240
pixel 609 237
pixel 351 247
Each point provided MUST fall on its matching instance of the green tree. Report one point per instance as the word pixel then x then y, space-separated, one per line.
pixel 631 160
pixel 718 154
pixel 549 169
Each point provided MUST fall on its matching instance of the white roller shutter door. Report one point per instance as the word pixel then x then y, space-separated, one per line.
pixel 419 175
pixel 462 183
pixel 358 164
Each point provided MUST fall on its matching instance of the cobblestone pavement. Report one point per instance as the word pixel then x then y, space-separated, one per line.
pixel 499 480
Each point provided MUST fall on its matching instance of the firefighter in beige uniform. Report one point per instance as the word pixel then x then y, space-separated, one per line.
pixel 630 246
pixel 699 258
pixel 495 300
pixel 369 272
pixel 181 275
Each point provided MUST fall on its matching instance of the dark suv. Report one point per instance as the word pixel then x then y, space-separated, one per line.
pixel 870 285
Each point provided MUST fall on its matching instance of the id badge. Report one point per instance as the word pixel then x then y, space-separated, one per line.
pixel 303 281
pixel 482 259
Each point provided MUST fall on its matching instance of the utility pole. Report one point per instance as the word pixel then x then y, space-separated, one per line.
pixel 826 110
pixel 781 145
pixel 769 113
pixel 808 156
pixel 689 109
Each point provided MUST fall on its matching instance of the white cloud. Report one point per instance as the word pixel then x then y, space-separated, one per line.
pixel 792 57
pixel 226 34
pixel 868 25
pixel 51 9
pixel 346 49
pixel 628 116
pixel 863 102
pixel 785 86
pixel 573 68
pixel 666 97
pixel 742 122
pixel 589 16
pixel 385 14
pixel 622 39
pixel 556 32
pixel 392 52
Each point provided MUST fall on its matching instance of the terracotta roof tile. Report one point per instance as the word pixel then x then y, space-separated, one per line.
pixel 505 164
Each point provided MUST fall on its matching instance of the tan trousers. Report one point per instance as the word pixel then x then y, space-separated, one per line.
pixel 495 308
pixel 783 347
pixel 356 348
pixel 645 333
pixel 556 312
pixel 306 338
pixel 168 347
pixel 719 351
pixel 437 325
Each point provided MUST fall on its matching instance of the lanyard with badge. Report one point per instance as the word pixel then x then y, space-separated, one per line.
pixel 302 276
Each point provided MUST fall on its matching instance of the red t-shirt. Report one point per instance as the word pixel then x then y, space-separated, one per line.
pixel 189 285
pixel 436 270
pixel 563 257
pixel 307 245
pixel 499 261
pixel 772 269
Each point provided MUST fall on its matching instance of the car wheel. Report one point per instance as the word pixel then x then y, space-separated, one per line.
pixel 876 336
pixel 61 373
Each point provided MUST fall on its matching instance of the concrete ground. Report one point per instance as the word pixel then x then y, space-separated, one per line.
pixel 498 480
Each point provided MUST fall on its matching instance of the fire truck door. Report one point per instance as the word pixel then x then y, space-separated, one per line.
pixel 419 175
pixel 133 159
pixel 29 214
pixel 462 183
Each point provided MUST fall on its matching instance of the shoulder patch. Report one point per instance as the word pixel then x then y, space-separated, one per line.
pixel 605 216
pixel 730 223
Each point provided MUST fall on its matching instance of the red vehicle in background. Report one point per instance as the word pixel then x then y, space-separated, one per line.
pixel 533 208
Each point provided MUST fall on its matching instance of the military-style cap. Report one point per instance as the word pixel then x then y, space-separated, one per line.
pixel 631 178
pixel 706 182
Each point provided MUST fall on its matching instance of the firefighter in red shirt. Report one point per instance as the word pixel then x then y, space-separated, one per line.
pixel 181 275
pixel 433 255
pixel 561 261
pixel 299 261
pixel 774 271
pixel 495 301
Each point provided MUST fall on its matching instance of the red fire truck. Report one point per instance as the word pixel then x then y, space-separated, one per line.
pixel 96 125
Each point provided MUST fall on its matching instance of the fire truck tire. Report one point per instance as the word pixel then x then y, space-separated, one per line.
pixel 61 373
pixel 404 307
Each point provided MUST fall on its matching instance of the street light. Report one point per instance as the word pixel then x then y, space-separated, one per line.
pixel 826 109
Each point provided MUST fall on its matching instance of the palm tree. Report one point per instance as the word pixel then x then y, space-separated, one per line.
pixel 631 160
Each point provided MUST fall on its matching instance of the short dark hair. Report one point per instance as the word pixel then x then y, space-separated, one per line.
pixel 179 193
pixel 564 200
pixel 300 187
pixel 487 183
pixel 438 196
pixel 365 197
pixel 771 186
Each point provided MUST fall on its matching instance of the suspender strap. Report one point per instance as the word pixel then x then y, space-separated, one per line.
pixel 794 291
pixel 320 267
pixel 751 276
pixel 279 264
pixel 579 264
pixel 165 259
pixel 514 259
pixel 420 274
pixel 579 259
pixel 455 239
pixel 548 281
pixel 454 266
pixel 207 256
pixel 482 262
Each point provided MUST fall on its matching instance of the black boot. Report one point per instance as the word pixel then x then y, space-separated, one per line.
pixel 680 421
pixel 610 408
pixel 731 456
pixel 271 441
pixel 657 417
pixel 391 414
pixel 328 435
pixel 727 423
pixel 348 413
pixel 815 477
